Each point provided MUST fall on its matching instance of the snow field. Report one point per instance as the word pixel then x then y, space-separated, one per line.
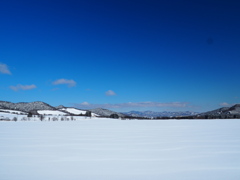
pixel 107 149
pixel 51 112
pixel 54 117
pixel 74 111
pixel 11 116
pixel 48 114
pixel 77 111
pixel 13 111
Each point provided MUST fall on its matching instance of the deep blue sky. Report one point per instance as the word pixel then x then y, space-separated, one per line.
pixel 158 55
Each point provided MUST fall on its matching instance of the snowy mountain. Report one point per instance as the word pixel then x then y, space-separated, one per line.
pixel 26 107
pixel 39 107
pixel 225 112
pixel 105 112
pixel 60 107
pixel 150 114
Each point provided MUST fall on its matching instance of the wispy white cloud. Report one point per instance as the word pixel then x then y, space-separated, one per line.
pixel 132 105
pixel 225 104
pixel 4 69
pixel 85 104
pixel 110 93
pixel 68 82
pixel 23 87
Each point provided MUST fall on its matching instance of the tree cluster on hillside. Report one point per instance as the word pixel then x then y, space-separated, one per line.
pixel 202 117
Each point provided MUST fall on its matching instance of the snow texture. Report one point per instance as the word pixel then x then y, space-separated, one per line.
pixel 12 111
pixel 10 116
pixel 74 111
pixel 77 111
pixel 106 149
pixel 50 112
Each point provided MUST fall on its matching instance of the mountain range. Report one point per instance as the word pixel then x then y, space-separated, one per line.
pixel 150 114
pixel 34 107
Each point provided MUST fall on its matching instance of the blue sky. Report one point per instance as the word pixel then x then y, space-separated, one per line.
pixel 121 55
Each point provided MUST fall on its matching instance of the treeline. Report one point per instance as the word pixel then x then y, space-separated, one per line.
pixel 35 113
pixel 202 117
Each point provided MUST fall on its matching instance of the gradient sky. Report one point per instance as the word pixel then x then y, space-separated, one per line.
pixel 122 55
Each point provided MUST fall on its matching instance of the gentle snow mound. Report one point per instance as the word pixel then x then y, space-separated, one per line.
pixel 51 112
pixel 12 111
pixel 120 150
pixel 77 111
pixel 74 111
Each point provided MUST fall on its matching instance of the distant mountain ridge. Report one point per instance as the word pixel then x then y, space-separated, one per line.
pixel 225 112
pixel 150 114
pixel 60 107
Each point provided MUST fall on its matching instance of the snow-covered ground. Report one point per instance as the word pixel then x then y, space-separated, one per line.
pixel 52 112
pixel 76 111
pixel 47 116
pixel 107 149
pixel 13 111
pixel 10 116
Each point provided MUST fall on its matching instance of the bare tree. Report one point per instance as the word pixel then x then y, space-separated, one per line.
pixel 55 119
pixel 41 117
